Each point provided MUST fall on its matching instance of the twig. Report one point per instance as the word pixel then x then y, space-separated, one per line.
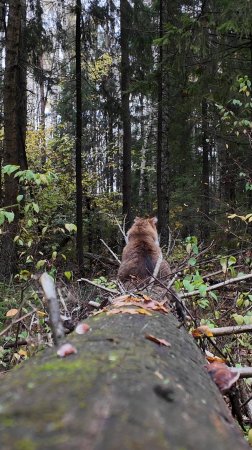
pixel 218 350
pixel 49 289
pixel 15 344
pixel 218 272
pixel 168 251
pixel 156 269
pixel 121 228
pixel 180 307
pixel 20 313
pixel 111 251
pixel 217 286
pixel 121 287
pixel 225 331
pixel 17 320
pixel 245 372
pixel 246 402
pixel 169 285
pixel 111 291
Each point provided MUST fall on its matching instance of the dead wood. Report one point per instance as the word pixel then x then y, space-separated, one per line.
pixel 120 391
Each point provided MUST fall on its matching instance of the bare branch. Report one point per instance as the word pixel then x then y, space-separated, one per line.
pixel 17 320
pixel 245 372
pixel 103 288
pixel 49 289
pixel 111 251
pixel 217 286
pixel 225 331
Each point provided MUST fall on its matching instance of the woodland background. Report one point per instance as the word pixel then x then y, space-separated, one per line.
pixel 112 109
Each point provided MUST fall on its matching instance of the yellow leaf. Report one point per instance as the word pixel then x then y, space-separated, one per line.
pixel 128 311
pixel 11 312
pixel 22 352
pixel 41 313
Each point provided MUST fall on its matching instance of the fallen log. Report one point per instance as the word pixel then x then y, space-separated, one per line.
pixel 120 391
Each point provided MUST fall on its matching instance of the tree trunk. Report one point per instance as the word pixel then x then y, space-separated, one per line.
pixel 143 176
pixel 125 112
pixel 163 155
pixel 43 100
pixel 79 195
pixel 120 391
pixel 205 172
pixel 14 97
pixel 14 124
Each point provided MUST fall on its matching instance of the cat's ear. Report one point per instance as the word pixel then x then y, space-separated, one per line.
pixel 153 220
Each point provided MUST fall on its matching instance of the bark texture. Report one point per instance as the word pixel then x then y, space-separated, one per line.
pixel 120 391
pixel 14 125
pixel 163 150
pixel 125 112
pixel 79 194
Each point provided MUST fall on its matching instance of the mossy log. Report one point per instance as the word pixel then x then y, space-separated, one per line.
pixel 121 391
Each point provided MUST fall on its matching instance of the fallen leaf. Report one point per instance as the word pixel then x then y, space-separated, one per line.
pixel 128 311
pixel 222 375
pixel 66 350
pixel 22 352
pixel 11 312
pixel 41 313
pixel 159 375
pixel 82 328
pixel 144 301
pixel 157 340
pixel 204 330
pixel 144 311
pixel 121 298
pixel 213 358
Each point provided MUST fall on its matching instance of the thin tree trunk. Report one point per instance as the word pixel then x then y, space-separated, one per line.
pixel 143 188
pixel 79 195
pixel 163 156
pixel 205 171
pixel 125 113
pixel 42 110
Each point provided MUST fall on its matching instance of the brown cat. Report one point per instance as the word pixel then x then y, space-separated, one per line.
pixel 141 253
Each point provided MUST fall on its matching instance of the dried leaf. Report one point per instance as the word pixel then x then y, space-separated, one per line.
pixel 204 330
pixel 222 375
pixel 121 298
pixel 157 340
pixel 22 352
pixel 213 358
pixel 66 350
pixel 11 312
pixel 144 301
pixel 82 328
pixel 41 313
pixel 128 311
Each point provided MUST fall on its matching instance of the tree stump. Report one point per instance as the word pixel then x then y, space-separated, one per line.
pixel 121 391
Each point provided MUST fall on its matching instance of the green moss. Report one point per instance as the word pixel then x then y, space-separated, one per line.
pixel 7 421
pixel 25 444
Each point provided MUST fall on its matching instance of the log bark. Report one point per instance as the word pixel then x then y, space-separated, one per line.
pixel 120 391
